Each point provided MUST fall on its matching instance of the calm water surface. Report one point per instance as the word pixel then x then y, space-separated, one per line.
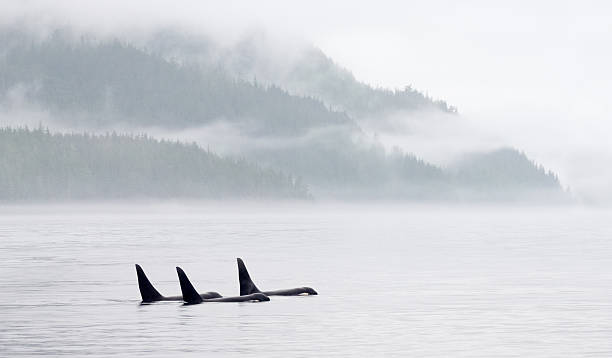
pixel 393 281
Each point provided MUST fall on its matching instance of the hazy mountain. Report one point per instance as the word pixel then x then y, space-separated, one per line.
pixel 502 167
pixel 504 174
pixel 176 83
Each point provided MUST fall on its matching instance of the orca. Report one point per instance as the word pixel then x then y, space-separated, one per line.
pixel 248 287
pixel 150 294
pixel 191 296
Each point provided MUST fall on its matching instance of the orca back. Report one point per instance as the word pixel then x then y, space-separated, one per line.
pixel 247 286
pixel 190 295
pixel 147 291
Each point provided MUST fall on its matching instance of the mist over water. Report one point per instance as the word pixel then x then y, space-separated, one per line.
pixel 393 280
pixel 530 76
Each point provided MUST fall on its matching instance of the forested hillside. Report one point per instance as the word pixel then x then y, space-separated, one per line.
pixel 109 82
pixel 38 165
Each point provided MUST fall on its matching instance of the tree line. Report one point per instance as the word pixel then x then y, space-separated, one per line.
pixel 37 164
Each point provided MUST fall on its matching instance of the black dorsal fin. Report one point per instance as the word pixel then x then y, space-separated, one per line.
pixel 147 291
pixel 190 295
pixel 247 286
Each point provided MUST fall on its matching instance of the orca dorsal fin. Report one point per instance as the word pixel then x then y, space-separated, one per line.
pixel 190 295
pixel 247 286
pixel 147 291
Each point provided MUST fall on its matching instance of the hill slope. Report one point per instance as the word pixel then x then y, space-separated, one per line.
pixel 35 164
pixel 504 174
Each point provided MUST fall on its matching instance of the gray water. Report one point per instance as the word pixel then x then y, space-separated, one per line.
pixel 392 280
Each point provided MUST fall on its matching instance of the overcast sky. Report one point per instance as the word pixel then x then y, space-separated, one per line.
pixel 535 72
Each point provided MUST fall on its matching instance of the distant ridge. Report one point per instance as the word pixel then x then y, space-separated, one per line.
pixel 307 72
